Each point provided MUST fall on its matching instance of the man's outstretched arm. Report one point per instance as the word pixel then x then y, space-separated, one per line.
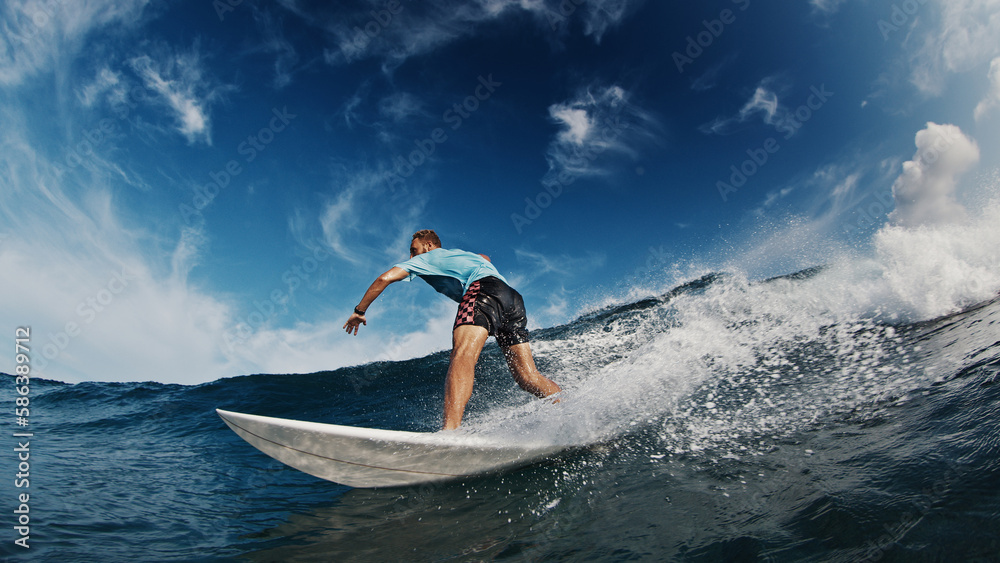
pixel 374 290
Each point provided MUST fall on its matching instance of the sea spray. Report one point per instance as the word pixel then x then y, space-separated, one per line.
pixel 736 359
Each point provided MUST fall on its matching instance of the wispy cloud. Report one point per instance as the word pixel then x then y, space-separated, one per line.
pixel 109 296
pixel 536 268
pixel 839 197
pixel 400 106
pixel 596 124
pixel 562 265
pixel 341 218
pixel 826 6
pixel 277 45
pixel 385 115
pixel 351 110
pixel 763 102
pixel 599 15
pixel 106 82
pixel 102 300
pixel 184 87
pixel 364 216
pixel 964 38
pixel 708 79
pixel 413 29
pixel 992 98
pixel 36 34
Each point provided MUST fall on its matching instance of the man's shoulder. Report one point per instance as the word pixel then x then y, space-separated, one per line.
pixel 443 253
pixel 443 258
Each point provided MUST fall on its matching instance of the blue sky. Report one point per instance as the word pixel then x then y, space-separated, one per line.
pixel 196 190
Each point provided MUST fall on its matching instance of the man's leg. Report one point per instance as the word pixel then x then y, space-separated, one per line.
pixel 467 343
pixel 522 367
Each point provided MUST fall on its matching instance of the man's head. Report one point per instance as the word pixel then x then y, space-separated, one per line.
pixel 424 241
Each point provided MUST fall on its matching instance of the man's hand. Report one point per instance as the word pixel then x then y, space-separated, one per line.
pixel 354 322
pixel 374 290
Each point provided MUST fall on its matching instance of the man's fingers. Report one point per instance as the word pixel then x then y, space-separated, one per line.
pixel 354 325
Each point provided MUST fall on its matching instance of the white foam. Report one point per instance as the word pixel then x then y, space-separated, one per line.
pixel 742 361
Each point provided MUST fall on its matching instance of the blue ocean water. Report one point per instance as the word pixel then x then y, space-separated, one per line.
pixel 811 417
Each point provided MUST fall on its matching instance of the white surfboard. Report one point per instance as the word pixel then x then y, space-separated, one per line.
pixel 368 457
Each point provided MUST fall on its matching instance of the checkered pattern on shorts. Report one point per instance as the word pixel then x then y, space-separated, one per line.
pixel 467 308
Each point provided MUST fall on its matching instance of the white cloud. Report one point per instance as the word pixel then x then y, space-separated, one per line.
pixel 34 34
pixel 539 269
pixel 88 286
pixel 186 254
pixel 310 347
pixel 107 298
pixel 774 196
pixel 400 106
pixel 599 122
pixel 350 110
pixel 366 217
pixel 577 122
pixel 763 102
pixel 539 264
pixel 992 98
pixel 106 81
pixel 711 77
pixel 182 86
pixel 419 28
pixel 602 15
pixel 275 43
pixel 847 186
pixel 826 6
pixel 965 37
pixel 925 192
pixel 339 220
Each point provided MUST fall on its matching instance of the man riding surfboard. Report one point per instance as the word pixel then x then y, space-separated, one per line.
pixel 488 306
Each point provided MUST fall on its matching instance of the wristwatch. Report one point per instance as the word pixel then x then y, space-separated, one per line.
pixel 357 312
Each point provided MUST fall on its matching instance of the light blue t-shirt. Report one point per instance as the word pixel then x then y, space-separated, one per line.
pixel 450 272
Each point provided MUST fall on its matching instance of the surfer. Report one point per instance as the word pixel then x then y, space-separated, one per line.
pixel 487 307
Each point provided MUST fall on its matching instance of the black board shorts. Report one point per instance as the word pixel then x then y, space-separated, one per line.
pixel 497 307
